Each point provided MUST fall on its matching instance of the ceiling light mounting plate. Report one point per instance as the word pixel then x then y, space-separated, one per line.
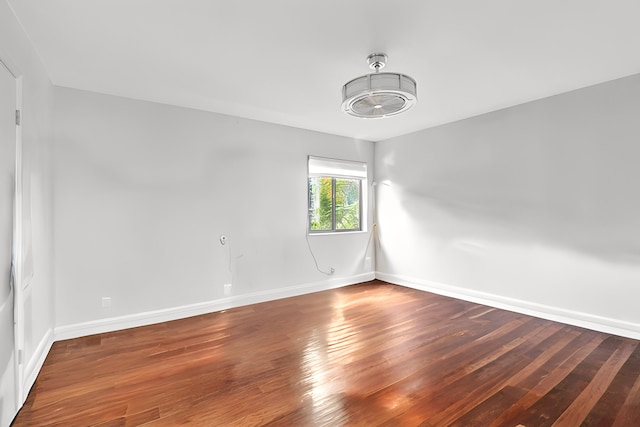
pixel 377 61
pixel 378 95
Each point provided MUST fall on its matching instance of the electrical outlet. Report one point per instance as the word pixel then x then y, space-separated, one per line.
pixel 227 289
pixel 106 302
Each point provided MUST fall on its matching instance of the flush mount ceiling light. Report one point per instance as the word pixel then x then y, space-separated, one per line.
pixel 378 95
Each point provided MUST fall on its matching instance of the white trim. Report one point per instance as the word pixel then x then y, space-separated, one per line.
pixel 336 233
pixel 557 314
pixel 36 362
pixel 19 289
pixel 173 313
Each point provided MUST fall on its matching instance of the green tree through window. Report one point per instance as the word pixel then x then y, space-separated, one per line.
pixel 347 204
pixel 334 204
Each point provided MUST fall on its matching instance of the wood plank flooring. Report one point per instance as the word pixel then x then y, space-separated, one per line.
pixel 373 354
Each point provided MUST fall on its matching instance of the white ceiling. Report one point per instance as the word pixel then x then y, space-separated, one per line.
pixel 285 61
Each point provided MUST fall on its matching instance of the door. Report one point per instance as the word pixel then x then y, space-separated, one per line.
pixel 8 379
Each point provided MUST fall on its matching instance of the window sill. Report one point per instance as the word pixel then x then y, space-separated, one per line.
pixel 337 233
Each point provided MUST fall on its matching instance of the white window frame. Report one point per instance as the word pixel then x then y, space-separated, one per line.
pixel 337 169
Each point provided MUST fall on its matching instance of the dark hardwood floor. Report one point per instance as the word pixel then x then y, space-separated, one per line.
pixel 370 354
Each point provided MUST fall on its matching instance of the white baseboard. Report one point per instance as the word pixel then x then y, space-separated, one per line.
pixel 557 314
pixel 32 368
pixel 173 313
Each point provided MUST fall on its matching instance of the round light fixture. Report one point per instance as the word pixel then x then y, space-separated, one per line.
pixel 378 94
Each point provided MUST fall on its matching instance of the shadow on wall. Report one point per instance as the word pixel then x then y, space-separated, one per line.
pixel 560 172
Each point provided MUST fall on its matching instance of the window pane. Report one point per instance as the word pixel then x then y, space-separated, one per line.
pixel 320 204
pixel 347 204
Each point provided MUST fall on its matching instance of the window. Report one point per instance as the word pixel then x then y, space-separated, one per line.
pixel 335 195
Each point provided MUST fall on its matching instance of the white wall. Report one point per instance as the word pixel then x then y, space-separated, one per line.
pixel 17 52
pixel 535 207
pixel 143 191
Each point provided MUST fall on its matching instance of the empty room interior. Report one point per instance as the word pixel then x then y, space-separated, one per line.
pixel 320 213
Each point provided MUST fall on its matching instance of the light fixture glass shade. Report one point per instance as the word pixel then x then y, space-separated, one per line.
pixel 379 95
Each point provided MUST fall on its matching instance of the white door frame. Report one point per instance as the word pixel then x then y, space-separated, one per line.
pixel 18 292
